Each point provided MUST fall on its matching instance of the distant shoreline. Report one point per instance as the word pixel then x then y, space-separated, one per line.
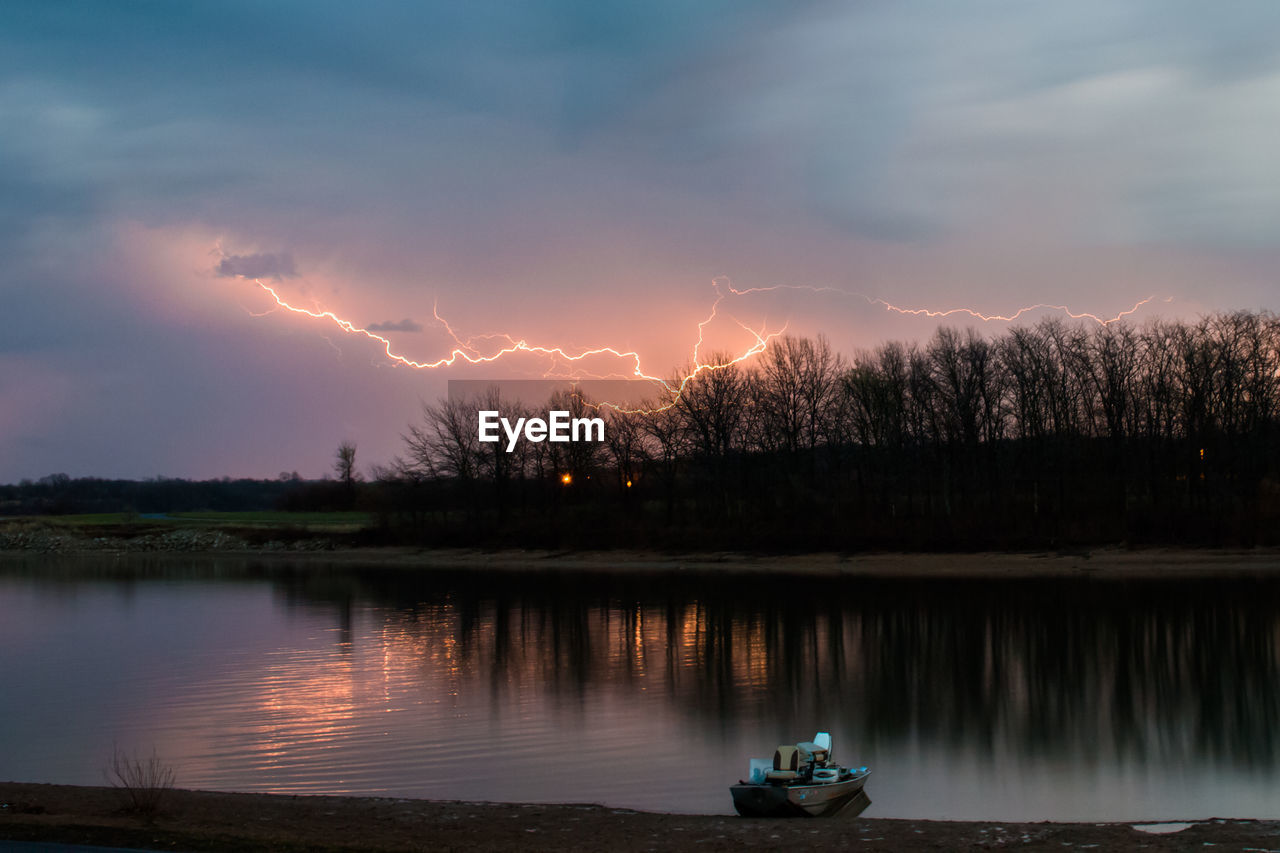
pixel 206 820
pixel 1101 563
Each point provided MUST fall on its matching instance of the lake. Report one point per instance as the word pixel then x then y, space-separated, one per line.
pixel 969 699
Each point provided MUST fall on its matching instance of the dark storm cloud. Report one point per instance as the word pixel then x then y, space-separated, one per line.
pixel 884 120
pixel 405 325
pixel 265 265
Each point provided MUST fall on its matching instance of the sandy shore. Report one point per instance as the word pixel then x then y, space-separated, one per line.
pixel 199 820
pixel 1110 562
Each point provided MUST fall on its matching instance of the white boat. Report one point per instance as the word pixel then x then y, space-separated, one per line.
pixel 802 780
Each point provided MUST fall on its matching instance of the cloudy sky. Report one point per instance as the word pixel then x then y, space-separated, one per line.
pixel 577 174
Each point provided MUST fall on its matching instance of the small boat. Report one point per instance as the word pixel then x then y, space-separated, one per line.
pixel 801 781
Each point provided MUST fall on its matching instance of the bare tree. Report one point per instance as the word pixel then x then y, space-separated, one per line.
pixel 627 442
pixel 795 393
pixel 578 459
pixel 445 443
pixel 712 406
pixel 877 387
pixel 344 464
pixel 664 425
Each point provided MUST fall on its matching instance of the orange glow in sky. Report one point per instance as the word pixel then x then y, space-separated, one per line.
pixel 497 346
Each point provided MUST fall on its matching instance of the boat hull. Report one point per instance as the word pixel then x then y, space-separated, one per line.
pixel 826 800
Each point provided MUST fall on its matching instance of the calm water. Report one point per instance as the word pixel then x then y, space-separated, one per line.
pixel 1082 700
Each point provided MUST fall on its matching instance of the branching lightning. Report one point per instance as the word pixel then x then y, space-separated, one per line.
pixel 492 347
pixel 934 313
pixel 465 349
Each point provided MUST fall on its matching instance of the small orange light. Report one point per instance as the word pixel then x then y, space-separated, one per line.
pixel 566 479
pixel 628 484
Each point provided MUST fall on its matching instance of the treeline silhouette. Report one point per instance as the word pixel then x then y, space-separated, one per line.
pixel 60 494
pixel 1052 435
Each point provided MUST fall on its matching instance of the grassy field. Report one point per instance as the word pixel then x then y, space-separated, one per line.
pixel 273 518
pixel 328 521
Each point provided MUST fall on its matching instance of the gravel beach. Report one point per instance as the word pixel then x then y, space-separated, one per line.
pixel 201 820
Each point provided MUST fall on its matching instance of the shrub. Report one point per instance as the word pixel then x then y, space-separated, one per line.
pixel 143 780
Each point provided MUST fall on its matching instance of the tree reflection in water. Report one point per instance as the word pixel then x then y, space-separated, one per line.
pixel 1086 669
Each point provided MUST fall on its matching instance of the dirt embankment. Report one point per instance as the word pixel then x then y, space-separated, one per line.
pixel 35 538
pixel 197 820
pixel 22 541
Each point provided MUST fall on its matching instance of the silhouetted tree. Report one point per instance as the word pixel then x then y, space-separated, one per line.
pixel 344 464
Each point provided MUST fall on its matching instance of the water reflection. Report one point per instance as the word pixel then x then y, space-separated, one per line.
pixel 1047 699
pixel 1087 669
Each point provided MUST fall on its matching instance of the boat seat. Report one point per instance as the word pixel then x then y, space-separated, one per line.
pixel 818 753
pixel 786 757
pixel 781 775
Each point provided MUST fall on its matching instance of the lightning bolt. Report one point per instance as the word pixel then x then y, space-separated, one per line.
pixel 491 347
pixel 464 349
pixel 933 313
